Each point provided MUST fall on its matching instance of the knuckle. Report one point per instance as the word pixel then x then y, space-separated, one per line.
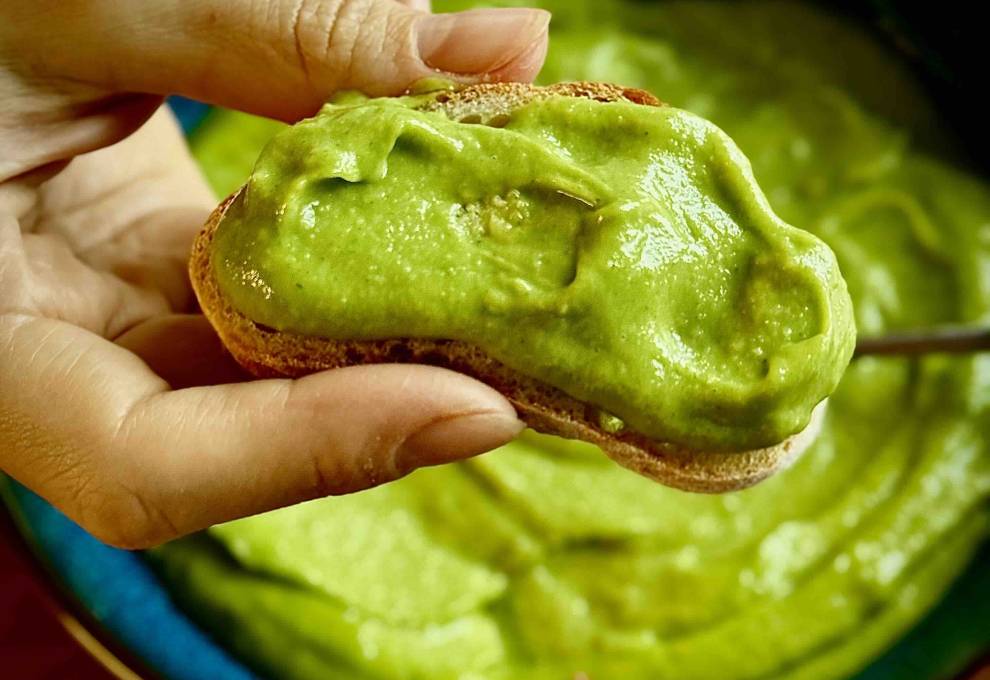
pixel 312 26
pixel 325 482
pixel 355 460
pixel 384 36
pixel 336 41
pixel 122 519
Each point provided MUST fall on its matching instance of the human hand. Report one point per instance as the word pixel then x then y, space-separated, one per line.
pixel 117 404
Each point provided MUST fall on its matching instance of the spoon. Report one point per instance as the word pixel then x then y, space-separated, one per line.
pixel 944 340
pixel 726 472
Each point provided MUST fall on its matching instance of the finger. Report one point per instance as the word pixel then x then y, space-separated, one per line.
pixel 281 58
pixel 108 243
pixel 131 209
pixel 421 5
pixel 184 350
pixel 90 427
pixel 41 130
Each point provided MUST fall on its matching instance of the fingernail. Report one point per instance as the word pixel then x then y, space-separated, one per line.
pixel 480 41
pixel 525 67
pixel 459 437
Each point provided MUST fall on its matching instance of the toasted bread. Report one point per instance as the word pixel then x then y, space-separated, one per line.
pixel 270 353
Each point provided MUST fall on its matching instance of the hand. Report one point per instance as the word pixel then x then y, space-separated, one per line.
pixel 118 405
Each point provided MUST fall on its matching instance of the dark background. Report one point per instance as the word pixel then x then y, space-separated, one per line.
pixel 33 644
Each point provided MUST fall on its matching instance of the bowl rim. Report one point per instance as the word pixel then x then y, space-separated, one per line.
pixel 70 613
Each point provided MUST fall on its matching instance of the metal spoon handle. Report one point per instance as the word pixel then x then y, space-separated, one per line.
pixel 933 341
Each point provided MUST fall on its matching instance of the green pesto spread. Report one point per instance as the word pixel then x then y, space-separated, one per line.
pixel 622 253
pixel 543 560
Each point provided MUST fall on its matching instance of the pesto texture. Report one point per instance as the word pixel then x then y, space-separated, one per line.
pixel 621 253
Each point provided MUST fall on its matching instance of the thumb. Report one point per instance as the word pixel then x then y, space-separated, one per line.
pixel 499 44
pixel 281 58
pixel 88 425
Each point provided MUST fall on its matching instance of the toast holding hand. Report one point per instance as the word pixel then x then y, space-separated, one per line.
pixel 606 262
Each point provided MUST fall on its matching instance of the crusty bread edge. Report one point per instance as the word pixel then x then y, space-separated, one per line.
pixel 265 352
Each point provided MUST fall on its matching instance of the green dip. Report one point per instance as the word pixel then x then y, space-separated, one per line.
pixel 543 559
pixel 622 253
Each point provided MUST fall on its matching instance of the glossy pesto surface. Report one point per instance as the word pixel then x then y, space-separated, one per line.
pixel 543 559
pixel 622 253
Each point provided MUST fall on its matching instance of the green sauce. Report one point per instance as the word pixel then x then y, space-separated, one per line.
pixel 620 252
pixel 543 559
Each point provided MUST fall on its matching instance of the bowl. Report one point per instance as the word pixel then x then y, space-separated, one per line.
pixel 129 623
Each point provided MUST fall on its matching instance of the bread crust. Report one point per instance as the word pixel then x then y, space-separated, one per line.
pixel 266 352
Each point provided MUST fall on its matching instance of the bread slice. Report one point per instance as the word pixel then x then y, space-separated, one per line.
pixel 269 353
